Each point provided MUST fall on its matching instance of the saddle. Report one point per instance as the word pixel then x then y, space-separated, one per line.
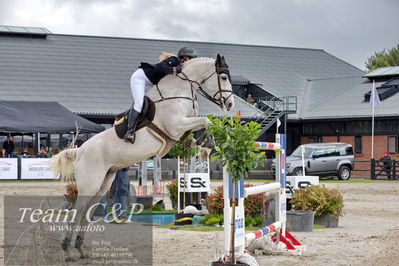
pixel 146 116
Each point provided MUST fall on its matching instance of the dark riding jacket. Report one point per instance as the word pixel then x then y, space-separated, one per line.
pixel 156 72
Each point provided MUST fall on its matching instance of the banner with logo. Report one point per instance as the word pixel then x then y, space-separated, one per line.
pixel 196 182
pixel 8 168
pixel 36 168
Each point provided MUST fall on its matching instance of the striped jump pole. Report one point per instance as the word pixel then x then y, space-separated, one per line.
pixel 261 232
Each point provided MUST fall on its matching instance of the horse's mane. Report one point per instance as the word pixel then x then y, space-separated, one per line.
pixel 198 59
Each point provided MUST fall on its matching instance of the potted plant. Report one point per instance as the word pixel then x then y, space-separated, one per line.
pixel 326 203
pixel 236 148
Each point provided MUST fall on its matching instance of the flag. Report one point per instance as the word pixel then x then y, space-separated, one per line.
pixel 374 98
pixel 278 124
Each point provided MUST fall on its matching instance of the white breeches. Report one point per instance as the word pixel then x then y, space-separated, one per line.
pixel 139 84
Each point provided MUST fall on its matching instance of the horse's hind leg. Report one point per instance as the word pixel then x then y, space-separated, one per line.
pixel 88 186
pixel 81 206
pixel 66 242
pixel 84 223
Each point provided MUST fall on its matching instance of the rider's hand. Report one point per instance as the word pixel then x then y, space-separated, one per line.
pixel 179 69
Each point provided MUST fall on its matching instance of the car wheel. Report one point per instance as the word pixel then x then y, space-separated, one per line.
pixel 297 171
pixel 344 173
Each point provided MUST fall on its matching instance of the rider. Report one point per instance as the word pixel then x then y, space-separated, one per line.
pixel 148 75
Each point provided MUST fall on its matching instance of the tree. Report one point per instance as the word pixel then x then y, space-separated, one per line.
pixel 383 59
pixel 236 148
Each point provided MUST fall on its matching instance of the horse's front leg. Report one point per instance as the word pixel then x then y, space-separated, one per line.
pixel 177 127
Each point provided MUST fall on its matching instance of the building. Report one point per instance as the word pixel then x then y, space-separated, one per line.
pixel 90 76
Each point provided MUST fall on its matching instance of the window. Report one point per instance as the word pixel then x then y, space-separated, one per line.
pixel 345 151
pixel 349 151
pixel 358 144
pixel 392 144
pixel 298 152
pixel 329 152
pixel 320 153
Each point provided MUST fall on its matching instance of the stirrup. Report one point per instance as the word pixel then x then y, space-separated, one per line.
pixel 130 136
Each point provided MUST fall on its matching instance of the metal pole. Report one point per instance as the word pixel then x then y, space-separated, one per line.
pixel 372 134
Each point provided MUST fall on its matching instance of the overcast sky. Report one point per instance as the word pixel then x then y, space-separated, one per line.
pixel 351 30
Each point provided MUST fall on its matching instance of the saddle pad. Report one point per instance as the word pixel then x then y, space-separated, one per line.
pixel 146 116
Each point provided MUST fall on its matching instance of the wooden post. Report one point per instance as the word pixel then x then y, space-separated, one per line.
pixel 232 223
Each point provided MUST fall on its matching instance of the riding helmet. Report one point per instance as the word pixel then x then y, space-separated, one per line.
pixel 187 51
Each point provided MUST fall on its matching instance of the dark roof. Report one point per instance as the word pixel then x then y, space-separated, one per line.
pixel 383 72
pixel 90 74
pixel 239 80
pixel 45 117
pixel 343 98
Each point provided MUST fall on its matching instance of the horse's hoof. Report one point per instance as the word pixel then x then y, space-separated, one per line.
pixel 70 259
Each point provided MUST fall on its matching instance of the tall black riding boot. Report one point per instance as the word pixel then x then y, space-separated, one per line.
pixel 130 135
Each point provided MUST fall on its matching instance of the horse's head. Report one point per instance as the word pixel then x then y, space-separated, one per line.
pixel 224 93
pixel 214 80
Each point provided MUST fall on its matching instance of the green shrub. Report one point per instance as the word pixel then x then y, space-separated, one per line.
pixel 319 199
pixel 172 188
pixel 248 220
pixel 256 220
pixel 203 220
pixel 212 219
pixel 183 149
pixel 215 201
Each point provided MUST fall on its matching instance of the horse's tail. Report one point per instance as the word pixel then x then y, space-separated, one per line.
pixel 62 163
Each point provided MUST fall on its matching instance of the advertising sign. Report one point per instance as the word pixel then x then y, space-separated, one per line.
pixel 36 168
pixel 8 168
pixel 295 182
pixel 196 182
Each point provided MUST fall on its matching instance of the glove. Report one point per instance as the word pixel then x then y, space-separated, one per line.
pixel 179 69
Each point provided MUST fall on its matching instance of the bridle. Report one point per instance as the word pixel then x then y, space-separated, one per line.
pixel 221 101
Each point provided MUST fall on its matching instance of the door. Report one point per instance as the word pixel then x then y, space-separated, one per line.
pixel 318 162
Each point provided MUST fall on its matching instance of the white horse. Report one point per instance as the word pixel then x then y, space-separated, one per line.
pixel 95 163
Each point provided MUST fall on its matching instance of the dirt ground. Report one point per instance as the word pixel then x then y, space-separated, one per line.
pixel 367 235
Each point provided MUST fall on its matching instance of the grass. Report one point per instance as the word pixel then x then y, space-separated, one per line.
pixel 203 228
pixel 207 228
pixel 317 226
pixel 352 181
